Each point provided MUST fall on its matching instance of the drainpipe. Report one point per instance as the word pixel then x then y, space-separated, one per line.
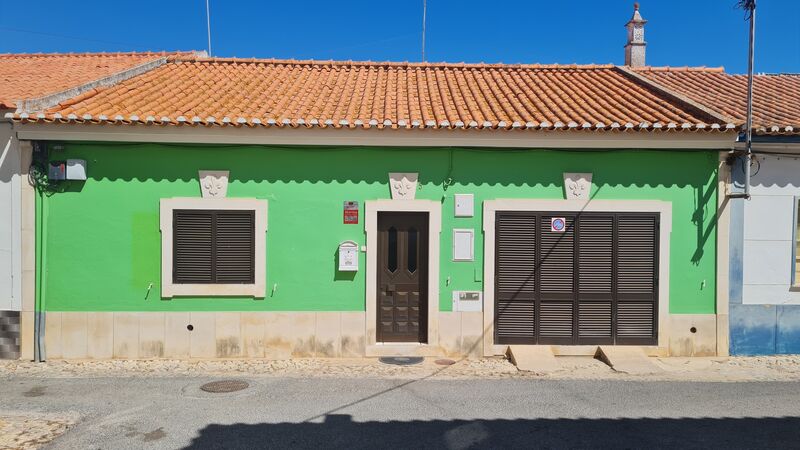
pixel 38 322
pixel 749 5
pixel 39 353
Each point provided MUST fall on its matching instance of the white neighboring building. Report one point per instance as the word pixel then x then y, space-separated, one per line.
pixel 765 255
pixel 10 251
pixel 763 268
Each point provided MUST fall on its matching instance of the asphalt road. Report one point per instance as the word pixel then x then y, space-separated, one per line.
pixel 125 413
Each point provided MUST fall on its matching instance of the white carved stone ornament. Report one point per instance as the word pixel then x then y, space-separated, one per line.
pixel 403 185
pixel 214 183
pixel 577 186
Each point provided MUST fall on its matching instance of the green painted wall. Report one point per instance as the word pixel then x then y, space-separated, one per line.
pixel 102 238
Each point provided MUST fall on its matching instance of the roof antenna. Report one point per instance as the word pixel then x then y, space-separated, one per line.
pixel 208 27
pixel 424 14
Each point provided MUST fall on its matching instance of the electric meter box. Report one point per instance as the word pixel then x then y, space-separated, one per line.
pixel 76 169
pixel 348 256
pixel 465 205
pixel 57 170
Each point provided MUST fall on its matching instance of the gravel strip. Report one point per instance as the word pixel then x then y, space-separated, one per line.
pixel 31 431
pixel 772 368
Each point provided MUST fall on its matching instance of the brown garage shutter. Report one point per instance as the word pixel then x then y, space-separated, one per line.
pixel 213 247
pixel 594 283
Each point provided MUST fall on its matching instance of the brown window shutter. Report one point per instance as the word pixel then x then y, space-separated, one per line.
pixel 192 256
pixel 234 246
pixel 213 247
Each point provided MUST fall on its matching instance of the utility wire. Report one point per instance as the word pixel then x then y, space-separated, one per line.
pixel 64 36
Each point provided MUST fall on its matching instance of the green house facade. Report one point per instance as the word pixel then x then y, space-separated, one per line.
pixel 214 237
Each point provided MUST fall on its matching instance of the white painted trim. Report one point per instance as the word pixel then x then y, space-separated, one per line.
pixel 434 210
pixel 771 147
pixel 695 140
pixel 490 209
pixel 10 165
pixel 723 254
pixel 257 289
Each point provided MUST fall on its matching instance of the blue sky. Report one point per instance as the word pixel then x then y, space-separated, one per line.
pixel 679 32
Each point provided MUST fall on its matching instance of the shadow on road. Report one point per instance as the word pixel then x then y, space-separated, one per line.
pixel 339 431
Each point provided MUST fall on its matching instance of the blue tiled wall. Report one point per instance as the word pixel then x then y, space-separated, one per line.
pixel 764 329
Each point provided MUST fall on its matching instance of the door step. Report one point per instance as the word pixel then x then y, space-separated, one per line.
pixel 630 360
pixel 533 358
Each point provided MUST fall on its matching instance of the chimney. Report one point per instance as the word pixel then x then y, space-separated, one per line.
pixel 635 48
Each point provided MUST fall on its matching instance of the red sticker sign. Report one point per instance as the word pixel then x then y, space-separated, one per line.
pixel 350 213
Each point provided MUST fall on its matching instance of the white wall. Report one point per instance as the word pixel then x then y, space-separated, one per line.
pixel 768 247
pixel 10 276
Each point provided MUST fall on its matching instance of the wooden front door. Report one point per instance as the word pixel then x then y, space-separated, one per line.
pixel 402 277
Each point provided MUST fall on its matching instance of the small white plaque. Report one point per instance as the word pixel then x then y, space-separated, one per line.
pixel 463 244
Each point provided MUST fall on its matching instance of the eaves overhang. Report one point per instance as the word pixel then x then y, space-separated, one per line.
pixel 288 136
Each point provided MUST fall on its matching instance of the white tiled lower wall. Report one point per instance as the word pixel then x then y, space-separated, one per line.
pixel 276 335
pixel 281 335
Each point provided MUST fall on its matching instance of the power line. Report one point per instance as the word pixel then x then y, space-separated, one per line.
pixel 64 36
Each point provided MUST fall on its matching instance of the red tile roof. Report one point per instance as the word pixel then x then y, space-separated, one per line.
pixel 776 98
pixel 26 76
pixel 228 91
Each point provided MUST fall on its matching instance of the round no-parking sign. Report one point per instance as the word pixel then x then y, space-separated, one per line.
pixel 558 224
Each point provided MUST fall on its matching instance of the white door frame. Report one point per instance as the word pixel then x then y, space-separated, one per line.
pixel 434 210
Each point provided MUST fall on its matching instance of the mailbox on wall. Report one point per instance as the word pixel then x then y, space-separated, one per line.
pixel 469 301
pixel 348 256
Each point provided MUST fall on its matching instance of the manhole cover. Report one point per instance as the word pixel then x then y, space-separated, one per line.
pixel 220 387
pixel 445 362
pixel 401 360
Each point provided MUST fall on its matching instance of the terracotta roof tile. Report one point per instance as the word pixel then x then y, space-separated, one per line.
pixel 26 76
pixel 229 91
pixel 776 98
